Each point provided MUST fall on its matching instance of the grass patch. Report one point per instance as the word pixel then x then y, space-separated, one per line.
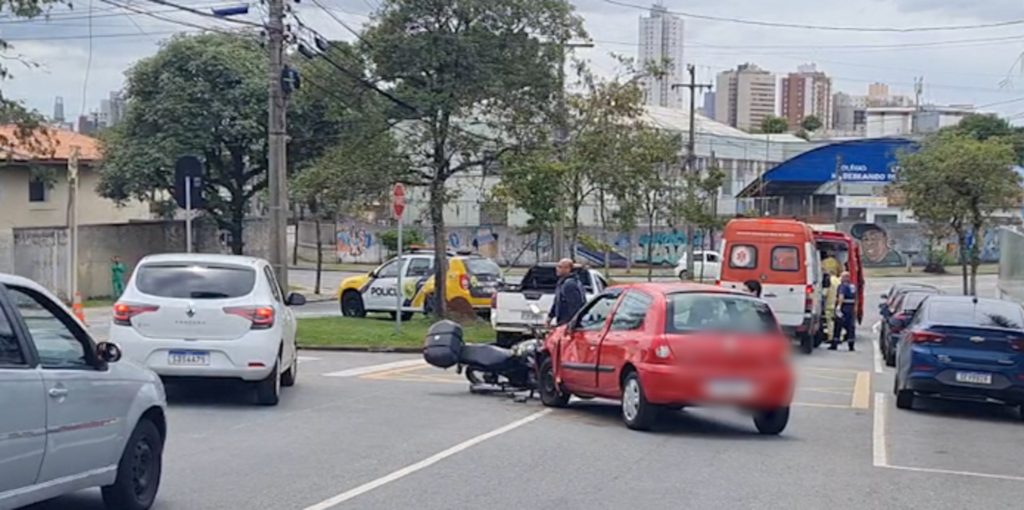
pixel 98 302
pixel 377 333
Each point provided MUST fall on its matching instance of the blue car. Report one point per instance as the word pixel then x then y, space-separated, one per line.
pixel 963 348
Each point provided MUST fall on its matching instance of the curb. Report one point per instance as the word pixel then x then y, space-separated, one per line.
pixel 358 348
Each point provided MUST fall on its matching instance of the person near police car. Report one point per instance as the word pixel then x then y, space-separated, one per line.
pixel 569 294
pixel 846 305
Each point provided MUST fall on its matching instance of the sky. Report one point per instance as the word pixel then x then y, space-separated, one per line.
pixel 981 66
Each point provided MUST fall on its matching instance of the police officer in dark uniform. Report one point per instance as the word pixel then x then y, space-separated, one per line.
pixel 846 304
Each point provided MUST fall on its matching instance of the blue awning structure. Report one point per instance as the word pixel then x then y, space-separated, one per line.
pixel 872 160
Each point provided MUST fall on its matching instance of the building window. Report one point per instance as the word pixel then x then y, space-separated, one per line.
pixel 37 190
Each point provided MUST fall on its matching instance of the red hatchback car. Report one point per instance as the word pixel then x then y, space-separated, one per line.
pixel 658 346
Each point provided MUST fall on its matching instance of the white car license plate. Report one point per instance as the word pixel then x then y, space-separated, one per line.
pixel 529 316
pixel 974 377
pixel 188 358
pixel 730 388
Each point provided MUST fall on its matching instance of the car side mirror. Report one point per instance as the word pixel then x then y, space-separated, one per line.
pixel 295 299
pixel 108 352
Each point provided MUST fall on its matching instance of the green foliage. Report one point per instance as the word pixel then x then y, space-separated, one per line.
pixel 472 76
pixel 204 95
pixel 410 238
pixel 14 112
pixel 811 123
pixel 772 125
pixel 957 183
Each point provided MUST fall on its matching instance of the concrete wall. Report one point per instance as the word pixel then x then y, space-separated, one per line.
pixel 1011 265
pixel 6 250
pixel 92 209
pixel 42 254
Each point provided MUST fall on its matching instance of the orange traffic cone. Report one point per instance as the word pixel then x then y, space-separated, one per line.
pixel 76 307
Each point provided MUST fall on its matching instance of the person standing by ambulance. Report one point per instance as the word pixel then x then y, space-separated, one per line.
pixel 846 312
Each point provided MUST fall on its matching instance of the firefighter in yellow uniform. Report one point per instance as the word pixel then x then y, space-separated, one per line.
pixel 831 294
pixel 831 265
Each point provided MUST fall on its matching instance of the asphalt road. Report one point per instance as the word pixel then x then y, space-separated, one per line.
pixel 354 434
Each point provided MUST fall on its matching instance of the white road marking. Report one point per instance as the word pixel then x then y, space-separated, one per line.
pixel 881 455
pixel 959 473
pixel 878 356
pixel 425 463
pixel 355 372
pixel 304 359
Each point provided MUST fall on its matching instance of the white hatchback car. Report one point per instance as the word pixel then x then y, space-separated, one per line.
pixel 71 417
pixel 210 316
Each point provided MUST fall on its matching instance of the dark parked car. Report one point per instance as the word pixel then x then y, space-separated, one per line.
pixel 901 312
pixel 959 347
pixel 894 292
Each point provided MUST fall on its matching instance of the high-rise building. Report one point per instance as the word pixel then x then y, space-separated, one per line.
pixel 744 97
pixel 88 124
pixel 878 92
pixel 807 92
pixel 58 110
pixel 661 43
pixel 117 106
pixel 849 113
pixel 709 105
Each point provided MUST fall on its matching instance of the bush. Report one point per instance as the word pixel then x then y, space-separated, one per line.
pixel 410 237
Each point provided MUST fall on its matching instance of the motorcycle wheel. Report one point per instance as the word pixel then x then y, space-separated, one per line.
pixel 477 377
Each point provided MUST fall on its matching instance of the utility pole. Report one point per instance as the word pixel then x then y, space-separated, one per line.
pixel 561 140
pixel 691 153
pixel 839 188
pixel 918 90
pixel 73 223
pixel 277 141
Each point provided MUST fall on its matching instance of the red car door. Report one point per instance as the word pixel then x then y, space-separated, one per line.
pixel 627 329
pixel 578 356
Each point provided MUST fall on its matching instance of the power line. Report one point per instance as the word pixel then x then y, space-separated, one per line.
pixel 802 26
pixel 45 20
pixel 197 12
pixel 88 65
pixel 166 19
pixel 926 44
pixel 340 21
pixel 119 35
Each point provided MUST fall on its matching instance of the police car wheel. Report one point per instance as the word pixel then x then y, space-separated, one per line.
pixel 352 304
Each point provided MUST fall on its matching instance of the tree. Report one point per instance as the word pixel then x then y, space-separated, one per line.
pixel 467 73
pixel 811 123
pixel 640 187
pixel 772 125
pixel 27 134
pixel 200 94
pixel 697 205
pixel 961 182
pixel 356 172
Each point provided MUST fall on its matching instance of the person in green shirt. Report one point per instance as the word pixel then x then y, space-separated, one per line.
pixel 117 270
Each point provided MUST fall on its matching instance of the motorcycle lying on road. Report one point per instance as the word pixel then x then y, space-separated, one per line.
pixel 488 367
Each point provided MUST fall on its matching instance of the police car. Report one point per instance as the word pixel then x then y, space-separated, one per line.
pixel 472 281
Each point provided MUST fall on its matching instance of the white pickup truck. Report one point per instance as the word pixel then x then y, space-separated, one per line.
pixel 511 316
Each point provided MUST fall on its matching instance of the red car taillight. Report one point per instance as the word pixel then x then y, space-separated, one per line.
pixel 924 337
pixel 1017 344
pixel 123 312
pixel 262 317
pixel 809 299
pixel 659 352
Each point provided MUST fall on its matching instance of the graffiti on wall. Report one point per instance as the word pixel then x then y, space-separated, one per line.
pixel 892 245
pixel 354 243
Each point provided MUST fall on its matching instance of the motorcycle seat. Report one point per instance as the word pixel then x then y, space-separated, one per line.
pixel 484 355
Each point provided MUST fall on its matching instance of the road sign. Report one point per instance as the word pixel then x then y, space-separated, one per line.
pixel 398 200
pixel 188 180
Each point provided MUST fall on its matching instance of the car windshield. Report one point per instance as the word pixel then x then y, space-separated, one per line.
pixel 195 281
pixel 693 312
pixel 986 313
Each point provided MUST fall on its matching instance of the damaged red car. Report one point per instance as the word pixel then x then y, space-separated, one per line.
pixel 660 346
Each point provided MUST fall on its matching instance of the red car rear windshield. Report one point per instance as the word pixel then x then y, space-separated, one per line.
pixel 693 312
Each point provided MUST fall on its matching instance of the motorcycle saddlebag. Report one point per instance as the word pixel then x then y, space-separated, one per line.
pixel 443 344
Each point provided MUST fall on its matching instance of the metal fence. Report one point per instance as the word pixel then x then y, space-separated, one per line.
pixel 1011 265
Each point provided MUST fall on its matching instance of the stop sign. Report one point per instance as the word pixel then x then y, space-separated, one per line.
pixel 398 200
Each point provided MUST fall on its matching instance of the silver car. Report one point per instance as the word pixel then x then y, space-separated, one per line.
pixel 72 417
